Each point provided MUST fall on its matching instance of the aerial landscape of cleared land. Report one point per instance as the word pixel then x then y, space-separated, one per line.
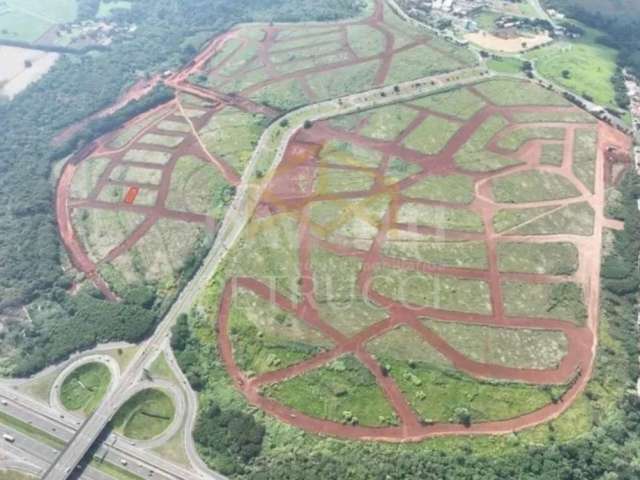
pixel 347 244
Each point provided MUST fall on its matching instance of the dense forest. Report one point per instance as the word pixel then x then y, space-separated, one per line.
pixel 608 449
pixel 168 34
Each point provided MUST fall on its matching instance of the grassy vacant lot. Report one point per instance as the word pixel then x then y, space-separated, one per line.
pixel 28 20
pixel 102 230
pixel 562 301
pixel 161 140
pixel 366 41
pixel 515 139
pixel 552 154
pixel 443 395
pixel 87 176
pixel 421 61
pixel 84 388
pixel 431 136
pixel 509 347
pixel 336 152
pixel 571 115
pixel 398 170
pixel 459 103
pixel 474 158
pixel 575 219
pixel 438 291
pixel 266 338
pixel 404 344
pixel 232 135
pixel 506 92
pixel 589 63
pixel 532 186
pixel 160 256
pixel 542 258
pixel 450 188
pixel 440 217
pixel 346 80
pixel 435 251
pixel 146 156
pixel 145 415
pixel 197 186
pixel 584 156
pixel 508 65
pixel 386 123
pixel 286 94
pixel 134 174
pixel 344 391
pixel 14 475
pixel 268 251
pixel 329 180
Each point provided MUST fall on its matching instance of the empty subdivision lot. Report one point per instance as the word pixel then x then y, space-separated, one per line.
pixel 420 262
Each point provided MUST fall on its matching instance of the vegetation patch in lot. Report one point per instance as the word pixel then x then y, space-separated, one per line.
pixel 442 395
pixel 574 219
pixel 562 301
pixel 434 250
pixel 505 92
pixel 460 103
pixel 127 173
pixel 399 169
pixel 232 135
pixel 417 62
pixel 344 81
pixel 334 276
pixel 508 347
pixel 343 391
pixel 366 41
pixel 167 249
pixel 515 139
pixel 449 188
pixel 440 217
pixel 431 136
pixel 268 251
pixel 198 187
pixel 146 156
pixel 386 123
pixel 266 338
pixel 474 157
pixel 508 220
pixel 285 94
pixel 330 180
pixel 584 156
pixel 532 186
pixel 347 154
pixel 102 230
pixel 552 154
pixel 437 291
pixel 350 316
pixel 145 415
pixel 543 258
pixel 87 175
pixel 509 65
pixel 571 115
pixel 84 388
pixel 162 140
pixel 405 344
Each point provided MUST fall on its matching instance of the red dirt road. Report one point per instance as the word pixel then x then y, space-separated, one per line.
pixel 574 369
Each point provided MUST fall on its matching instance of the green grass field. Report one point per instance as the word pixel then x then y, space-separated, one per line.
pixel 589 64
pixel 532 186
pixel 509 347
pixel 145 415
pixel 28 20
pixel 438 291
pixel 431 136
pixel 14 475
pixel 450 188
pixel 545 258
pixel 85 387
pixel 343 391
pixel 508 65
pixel 459 103
pixel 506 92
pixel 562 301
pixel 387 123
pixel 440 217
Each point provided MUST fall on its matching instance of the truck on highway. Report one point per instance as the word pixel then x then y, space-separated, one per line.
pixel 8 438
